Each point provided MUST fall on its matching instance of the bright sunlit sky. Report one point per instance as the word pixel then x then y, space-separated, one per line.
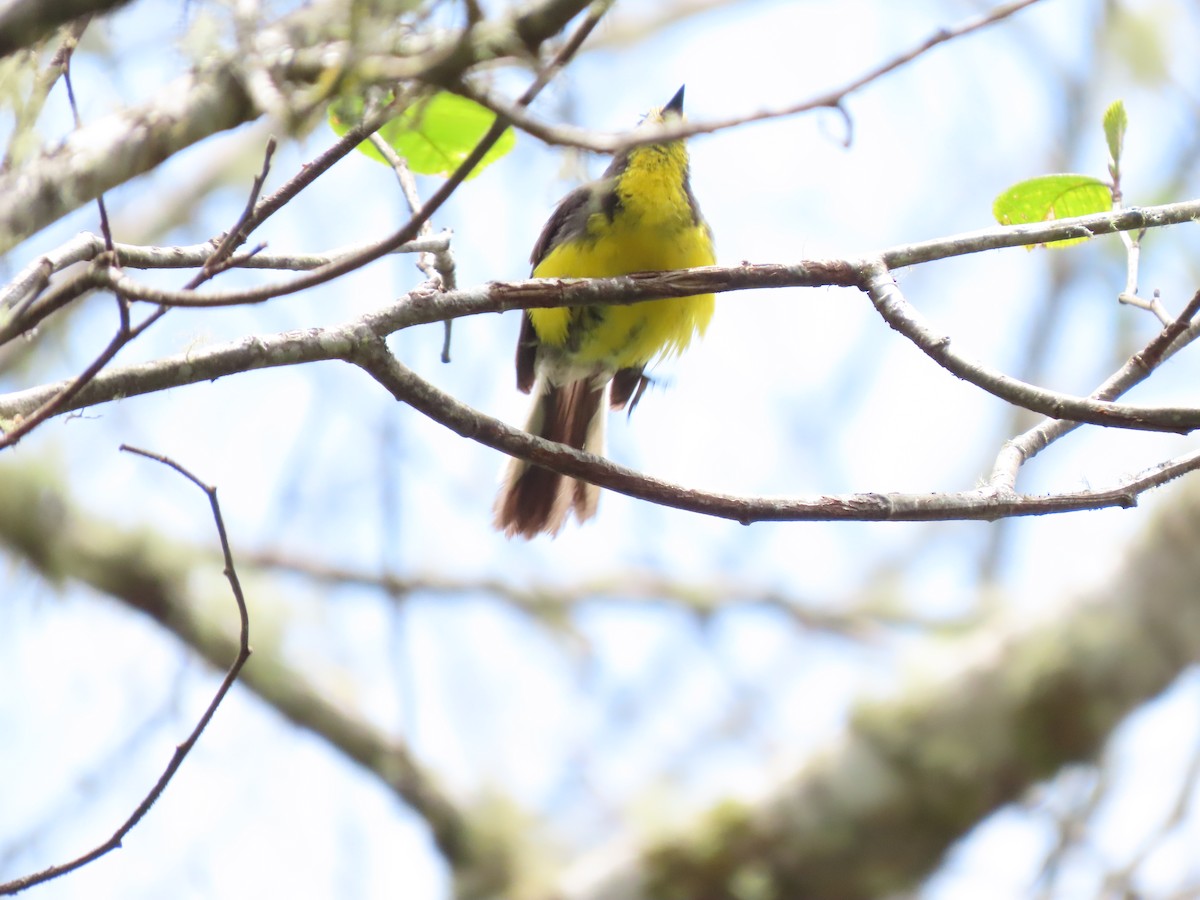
pixel 793 392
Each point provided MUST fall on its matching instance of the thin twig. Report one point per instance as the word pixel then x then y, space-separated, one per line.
pixel 1133 251
pixel 100 277
pixel 565 135
pixel 182 750
pixel 565 53
pixel 1016 452
pixel 890 302
pixel 439 269
pixel 212 97
pixel 236 236
pixel 408 188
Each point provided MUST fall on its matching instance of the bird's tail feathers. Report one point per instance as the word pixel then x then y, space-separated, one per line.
pixel 534 500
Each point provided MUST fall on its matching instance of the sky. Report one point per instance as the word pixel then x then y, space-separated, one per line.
pixel 631 715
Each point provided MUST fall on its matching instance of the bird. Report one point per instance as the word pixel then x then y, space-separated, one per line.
pixel 639 216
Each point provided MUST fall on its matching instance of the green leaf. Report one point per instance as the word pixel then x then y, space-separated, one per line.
pixel 433 136
pixel 1050 197
pixel 1115 123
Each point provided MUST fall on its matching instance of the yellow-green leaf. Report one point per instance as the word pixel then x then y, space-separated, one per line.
pixel 433 136
pixel 1050 197
pixel 1115 123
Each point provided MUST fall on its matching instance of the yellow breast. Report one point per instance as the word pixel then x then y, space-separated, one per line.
pixel 654 229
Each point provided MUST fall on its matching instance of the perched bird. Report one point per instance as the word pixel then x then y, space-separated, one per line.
pixel 640 216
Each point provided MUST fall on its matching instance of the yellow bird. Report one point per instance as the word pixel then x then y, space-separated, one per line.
pixel 640 216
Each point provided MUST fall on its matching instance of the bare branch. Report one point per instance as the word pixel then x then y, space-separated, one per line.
pixel 35 277
pixel 340 343
pixel 647 285
pixel 1016 452
pixel 84 247
pixel 62 398
pixel 868 274
pixel 181 750
pixel 218 260
pixel 152 576
pixel 23 136
pixel 570 136
pixel 898 313
pixel 113 279
pixel 22 292
pixel 126 332
pixel 439 268
pixel 983 503
pixel 360 345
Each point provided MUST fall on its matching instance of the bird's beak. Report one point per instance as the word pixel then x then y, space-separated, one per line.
pixel 676 104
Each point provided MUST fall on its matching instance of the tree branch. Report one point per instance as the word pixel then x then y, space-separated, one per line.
pixel 587 139
pixel 980 504
pixel 214 98
pixel 867 273
pixel 851 272
pixel 1016 452
pixel 897 312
